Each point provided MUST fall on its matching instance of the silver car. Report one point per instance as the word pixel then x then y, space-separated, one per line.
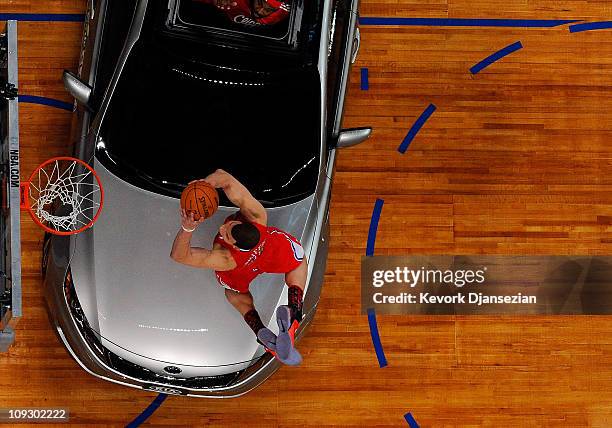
pixel 167 92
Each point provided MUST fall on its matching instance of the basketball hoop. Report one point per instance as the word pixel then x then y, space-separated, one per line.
pixel 64 196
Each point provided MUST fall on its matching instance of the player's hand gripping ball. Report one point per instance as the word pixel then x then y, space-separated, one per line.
pixel 201 199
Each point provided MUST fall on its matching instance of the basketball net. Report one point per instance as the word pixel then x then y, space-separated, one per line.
pixel 64 196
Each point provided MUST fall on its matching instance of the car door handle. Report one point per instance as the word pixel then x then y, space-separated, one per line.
pixel 356 45
pixel 91 9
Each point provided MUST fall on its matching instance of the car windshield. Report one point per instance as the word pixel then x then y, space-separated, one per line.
pixel 172 120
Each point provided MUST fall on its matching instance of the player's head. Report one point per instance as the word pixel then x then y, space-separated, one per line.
pixel 243 235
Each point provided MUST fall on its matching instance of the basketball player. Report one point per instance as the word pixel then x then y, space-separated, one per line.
pixel 252 12
pixel 244 248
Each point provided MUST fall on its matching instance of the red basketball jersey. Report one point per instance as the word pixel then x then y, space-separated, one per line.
pixel 276 252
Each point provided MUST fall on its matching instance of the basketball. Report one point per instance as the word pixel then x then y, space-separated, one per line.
pixel 200 198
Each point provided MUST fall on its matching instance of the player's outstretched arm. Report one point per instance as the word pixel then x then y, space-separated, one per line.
pixel 236 192
pixel 184 253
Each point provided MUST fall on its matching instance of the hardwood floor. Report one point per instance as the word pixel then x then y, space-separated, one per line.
pixel 515 160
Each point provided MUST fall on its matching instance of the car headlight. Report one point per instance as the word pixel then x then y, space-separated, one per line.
pixel 74 306
pixel 72 300
pixel 68 286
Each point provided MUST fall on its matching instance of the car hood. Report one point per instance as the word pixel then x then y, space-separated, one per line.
pixel 153 311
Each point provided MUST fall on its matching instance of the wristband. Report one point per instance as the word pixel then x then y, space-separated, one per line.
pixel 187 230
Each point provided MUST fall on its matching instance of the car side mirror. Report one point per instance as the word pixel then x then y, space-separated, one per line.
pixel 80 90
pixel 353 136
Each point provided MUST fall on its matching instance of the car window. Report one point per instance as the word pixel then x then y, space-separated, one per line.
pixel 181 109
pixel 118 16
pixel 264 128
pixel 268 18
pixel 339 26
pixel 286 25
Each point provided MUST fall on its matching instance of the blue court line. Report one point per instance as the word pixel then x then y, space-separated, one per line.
pixel 495 57
pixel 147 412
pixel 577 28
pixel 416 128
pixel 33 99
pixel 465 22
pixel 410 419
pixel 378 205
pixel 365 83
pixel 52 17
pixel 380 354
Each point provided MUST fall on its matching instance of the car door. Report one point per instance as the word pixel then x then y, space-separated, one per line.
pixel 343 49
pixel 106 27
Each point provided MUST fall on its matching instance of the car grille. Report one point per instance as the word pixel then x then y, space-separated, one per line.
pixel 144 374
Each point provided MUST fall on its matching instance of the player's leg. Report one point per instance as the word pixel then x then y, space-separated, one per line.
pixel 296 281
pixel 288 317
pixel 243 302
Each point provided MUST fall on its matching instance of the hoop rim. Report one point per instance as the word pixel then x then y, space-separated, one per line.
pixel 25 201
